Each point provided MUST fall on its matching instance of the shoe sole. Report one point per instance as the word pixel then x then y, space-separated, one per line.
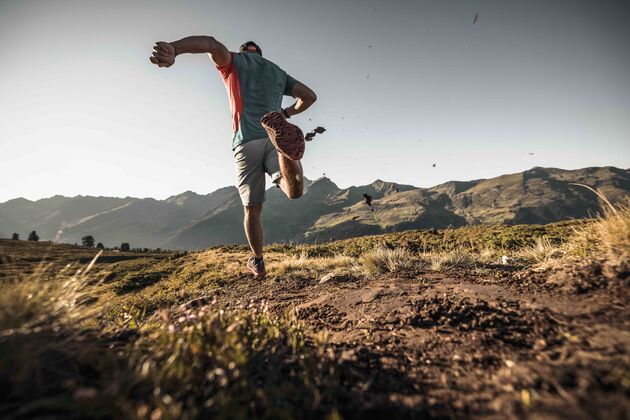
pixel 256 273
pixel 286 137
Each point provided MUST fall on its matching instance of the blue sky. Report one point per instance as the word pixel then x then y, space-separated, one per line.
pixel 401 85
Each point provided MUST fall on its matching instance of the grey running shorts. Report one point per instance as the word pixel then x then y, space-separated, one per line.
pixel 253 159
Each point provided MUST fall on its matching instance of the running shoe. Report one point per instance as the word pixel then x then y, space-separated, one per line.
pixel 288 138
pixel 257 266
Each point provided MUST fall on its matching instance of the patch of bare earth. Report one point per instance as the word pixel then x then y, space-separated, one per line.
pixel 417 344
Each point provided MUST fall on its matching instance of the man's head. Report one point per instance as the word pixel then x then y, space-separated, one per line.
pixel 250 46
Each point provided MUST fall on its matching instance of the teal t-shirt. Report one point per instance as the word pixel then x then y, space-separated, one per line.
pixel 255 86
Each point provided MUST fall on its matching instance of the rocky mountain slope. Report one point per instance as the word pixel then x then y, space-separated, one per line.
pixel 325 212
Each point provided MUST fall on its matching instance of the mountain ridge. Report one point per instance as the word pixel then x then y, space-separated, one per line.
pixel 190 220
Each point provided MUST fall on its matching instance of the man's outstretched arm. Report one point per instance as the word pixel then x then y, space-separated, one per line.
pixel 305 98
pixel 164 53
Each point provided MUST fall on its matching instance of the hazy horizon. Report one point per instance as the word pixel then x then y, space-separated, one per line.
pixel 314 179
pixel 402 86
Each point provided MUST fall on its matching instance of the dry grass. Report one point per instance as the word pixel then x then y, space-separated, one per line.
pixel 613 232
pixel 543 251
pixel 60 354
pixel 459 259
pixel 384 260
pixel 607 238
pixel 376 261
pixel 309 266
pixel 47 330
pixel 495 256
pixel 207 361
pixel 210 363
pixel 35 302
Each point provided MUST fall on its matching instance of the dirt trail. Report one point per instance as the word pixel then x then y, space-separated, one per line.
pixel 423 344
pixel 506 344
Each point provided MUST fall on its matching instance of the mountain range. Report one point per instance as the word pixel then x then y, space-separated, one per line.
pixel 325 211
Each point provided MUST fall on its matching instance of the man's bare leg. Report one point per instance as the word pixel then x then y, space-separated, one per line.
pixel 253 228
pixel 292 181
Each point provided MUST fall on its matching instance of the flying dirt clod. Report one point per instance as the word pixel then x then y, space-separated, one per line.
pixel 311 134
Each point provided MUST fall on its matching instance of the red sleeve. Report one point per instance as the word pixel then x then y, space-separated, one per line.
pixel 227 69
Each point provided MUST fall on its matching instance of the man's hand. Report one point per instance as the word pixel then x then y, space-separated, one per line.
pixel 163 54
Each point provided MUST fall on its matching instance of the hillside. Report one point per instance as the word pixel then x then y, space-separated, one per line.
pixel 325 212
pixel 522 321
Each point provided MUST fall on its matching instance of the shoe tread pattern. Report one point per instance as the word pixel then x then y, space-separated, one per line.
pixel 288 138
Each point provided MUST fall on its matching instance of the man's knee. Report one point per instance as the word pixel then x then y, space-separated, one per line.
pixel 295 192
pixel 253 210
pixel 292 188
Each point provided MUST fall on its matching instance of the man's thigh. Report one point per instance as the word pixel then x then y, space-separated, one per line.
pixel 271 164
pixel 250 172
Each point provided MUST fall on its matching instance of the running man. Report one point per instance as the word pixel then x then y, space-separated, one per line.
pixel 255 87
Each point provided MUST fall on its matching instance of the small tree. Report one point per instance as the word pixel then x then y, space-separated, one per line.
pixel 15 237
pixel 88 241
pixel 125 247
pixel 33 236
pixel 100 245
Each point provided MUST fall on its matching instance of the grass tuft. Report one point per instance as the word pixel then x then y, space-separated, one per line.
pixel 606 238
pixel 36 302
pixel 458 259
pixel 613 232
pixel 385 260
pixel 543 251
pixel 309 266
pixel 209 362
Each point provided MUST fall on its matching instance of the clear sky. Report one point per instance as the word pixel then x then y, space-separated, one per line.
pixel 402 85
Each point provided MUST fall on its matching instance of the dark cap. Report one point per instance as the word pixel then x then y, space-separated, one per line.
pixel 250 46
